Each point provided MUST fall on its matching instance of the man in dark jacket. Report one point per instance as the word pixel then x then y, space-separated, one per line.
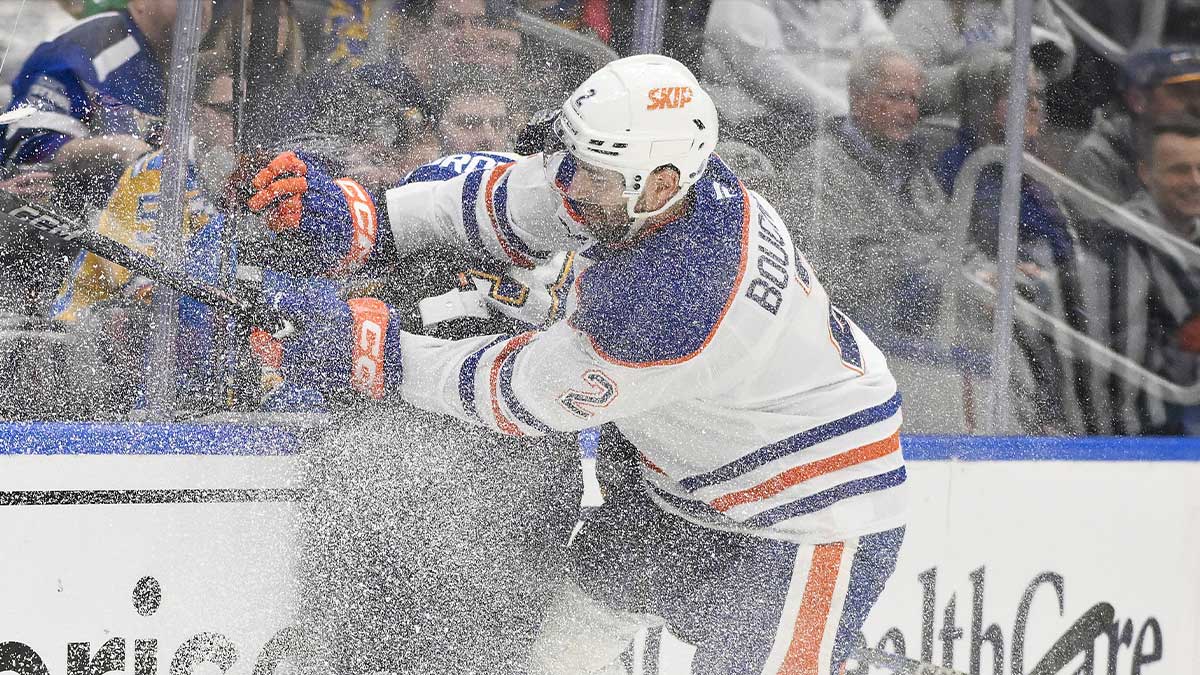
pixel 1156 292
pixel 862 192
pixel 1155 82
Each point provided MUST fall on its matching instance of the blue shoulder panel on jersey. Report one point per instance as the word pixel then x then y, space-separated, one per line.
pixel 660 301
pixel 133 78
pixel 129 82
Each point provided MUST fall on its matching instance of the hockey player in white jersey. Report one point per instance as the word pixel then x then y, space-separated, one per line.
pixel 771 504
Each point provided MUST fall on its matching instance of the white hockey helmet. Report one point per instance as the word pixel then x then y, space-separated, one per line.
pixel 631 117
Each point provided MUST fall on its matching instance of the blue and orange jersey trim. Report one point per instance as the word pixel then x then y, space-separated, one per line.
pixel 509 351
pixel 661 302
pixel 496 203
pixel 794 444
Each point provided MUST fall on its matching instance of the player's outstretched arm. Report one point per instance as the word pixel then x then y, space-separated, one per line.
pixel 535 383
pixel 505 211
pixel 337 216
pixel 529 384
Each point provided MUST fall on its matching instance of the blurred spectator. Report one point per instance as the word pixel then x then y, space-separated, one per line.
pixel 1169 168
pixel 942 33
pixel 1155 82
pixel 774 68
pixel 366 119
pixel 475 113
pixel 99 90
pixel 861 188
pixel 441 36
pixel 1046 270
pixel 470 111
pixel 1156 298
pixel 99 291
pixel 983 96
pixel 27 24
pixel 863 192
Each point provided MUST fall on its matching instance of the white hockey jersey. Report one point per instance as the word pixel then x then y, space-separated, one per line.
pixel 533 296
pixel 756 405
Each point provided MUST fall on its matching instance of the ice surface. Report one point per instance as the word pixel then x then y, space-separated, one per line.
pixel 432 546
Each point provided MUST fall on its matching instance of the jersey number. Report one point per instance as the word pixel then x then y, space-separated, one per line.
pixel 582 403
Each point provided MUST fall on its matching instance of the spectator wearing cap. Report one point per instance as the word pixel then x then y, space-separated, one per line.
pixel 99 90
pixel 942 33
pixel 1156 295
pixel 775 68
pixel 1155 82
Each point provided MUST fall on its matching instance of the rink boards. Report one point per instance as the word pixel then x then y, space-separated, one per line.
pixel 151 549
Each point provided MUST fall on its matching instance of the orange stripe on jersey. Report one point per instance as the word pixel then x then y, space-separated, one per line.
pixel 488 193
pixel 796 475
pixel 506 425
pixel 651 465
pixel 804 653
pixel 733 294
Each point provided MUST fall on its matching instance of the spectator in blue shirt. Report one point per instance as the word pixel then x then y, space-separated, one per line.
pixel 983 96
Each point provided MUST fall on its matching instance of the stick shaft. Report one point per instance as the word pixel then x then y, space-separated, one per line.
pixel 16 212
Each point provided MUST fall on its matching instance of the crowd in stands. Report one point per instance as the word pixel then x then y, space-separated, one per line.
pixel 860 119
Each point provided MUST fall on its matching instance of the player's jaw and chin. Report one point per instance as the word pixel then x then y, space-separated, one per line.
pixel 602 208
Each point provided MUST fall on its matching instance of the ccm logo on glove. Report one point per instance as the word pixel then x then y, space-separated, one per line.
pixel 370 328
pixel 362 217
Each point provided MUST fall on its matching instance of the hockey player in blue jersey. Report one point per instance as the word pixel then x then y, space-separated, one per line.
pixel 770 507
pixel 100 85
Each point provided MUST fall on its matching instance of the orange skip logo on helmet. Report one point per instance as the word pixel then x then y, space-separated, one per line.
pixel 664 98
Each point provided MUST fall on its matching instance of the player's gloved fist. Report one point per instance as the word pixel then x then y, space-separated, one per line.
pixel 339 346
pixel 293 194
pixel 279 189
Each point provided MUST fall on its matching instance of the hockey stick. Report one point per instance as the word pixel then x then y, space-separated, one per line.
pixel 16 212
pixel 896 664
